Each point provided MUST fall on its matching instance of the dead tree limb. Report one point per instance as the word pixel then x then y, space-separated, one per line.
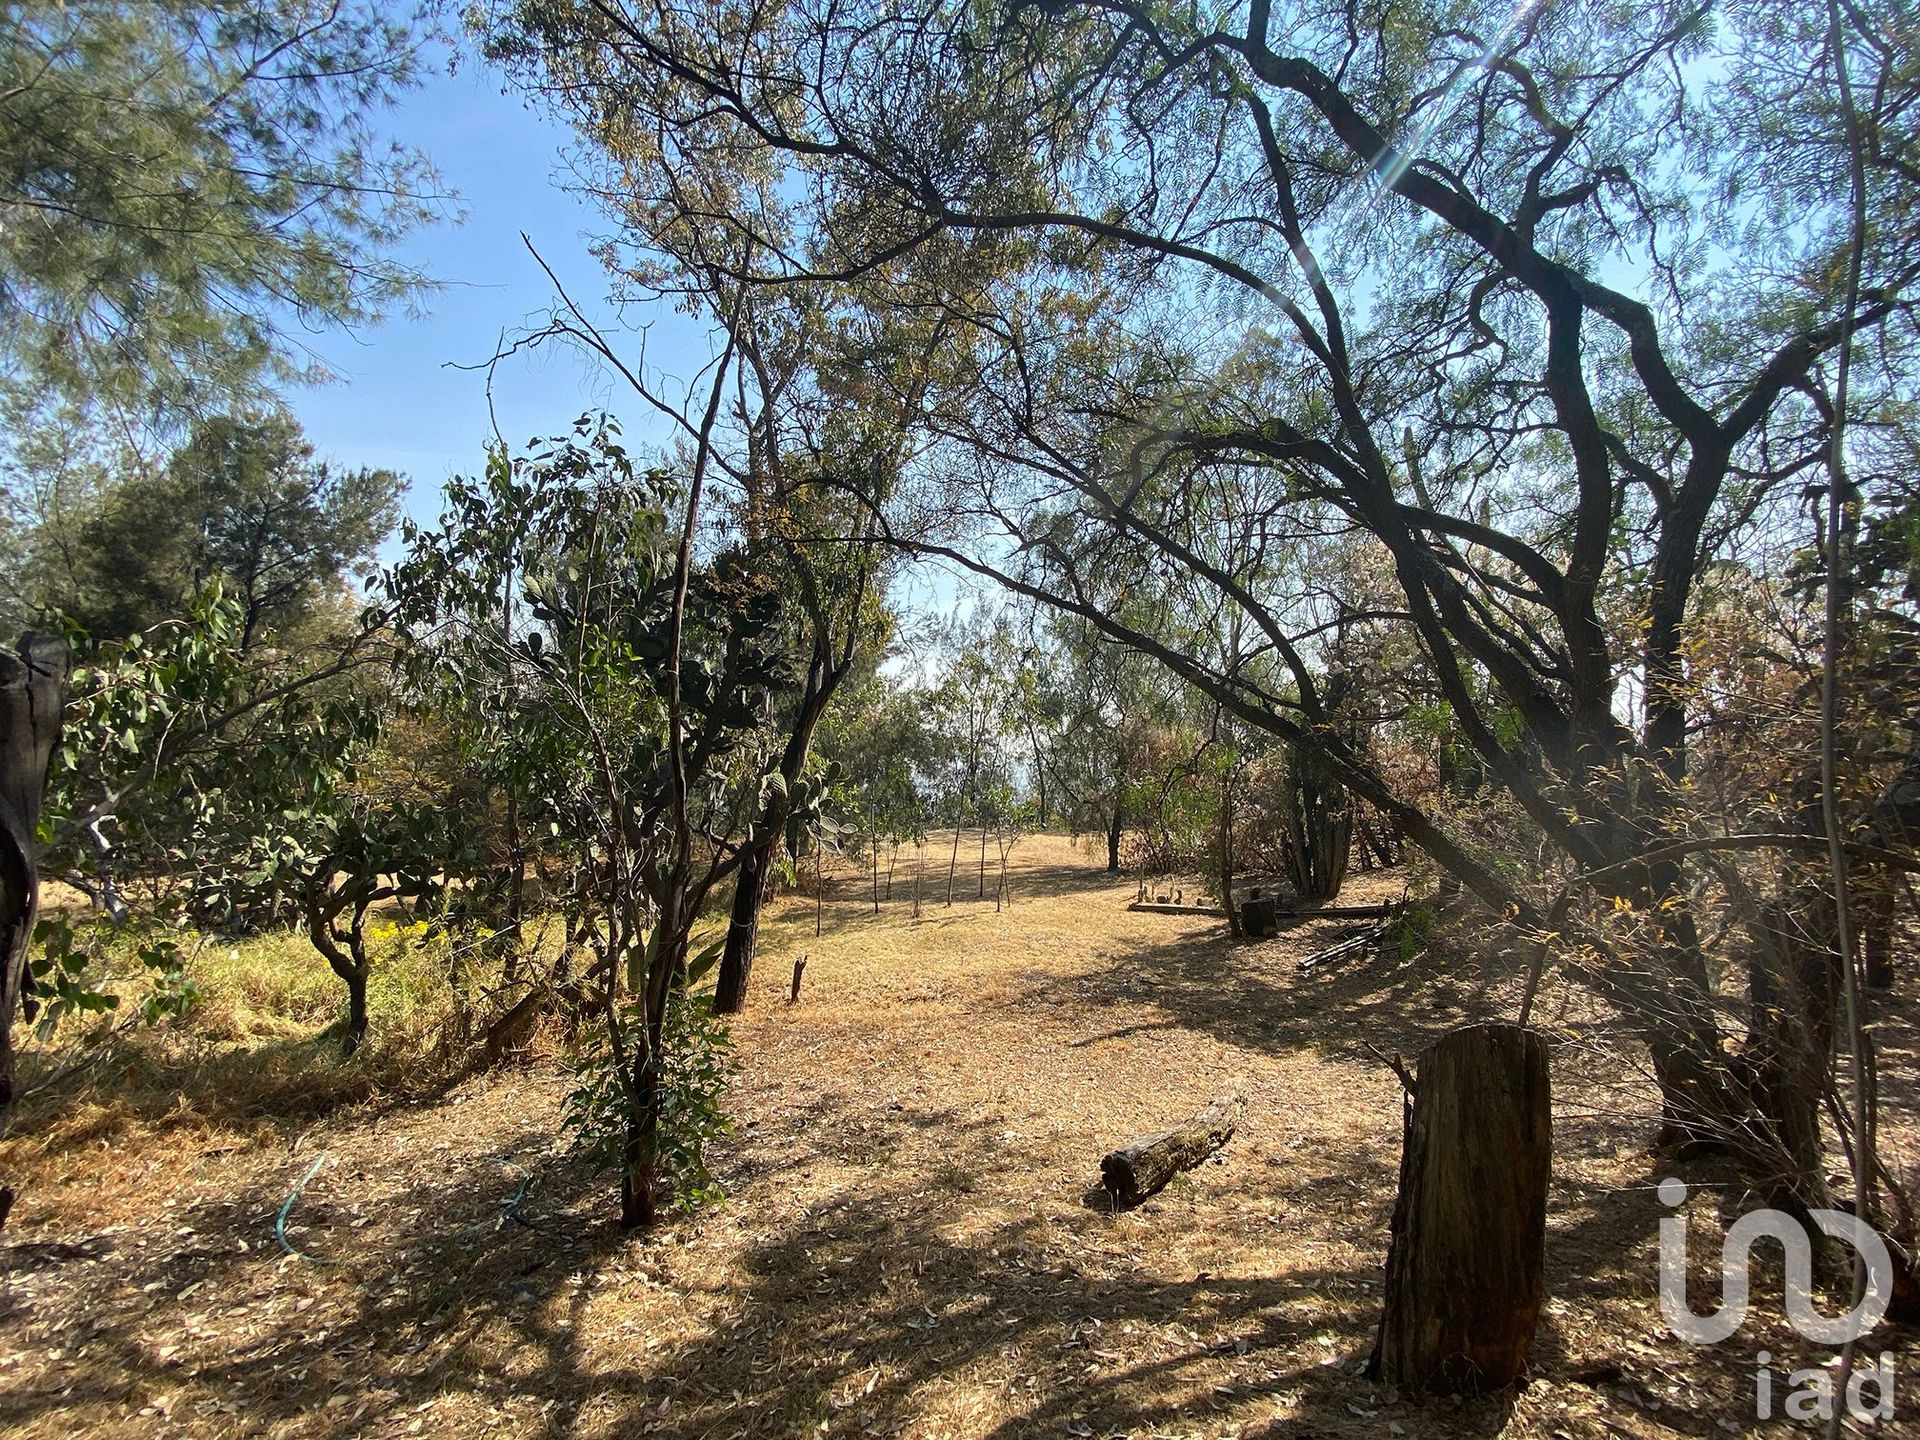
pixel 1129 1175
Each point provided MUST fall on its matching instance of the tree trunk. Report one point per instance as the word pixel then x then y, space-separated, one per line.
pixel 982 893
pixel 33 693
pixel 1113 842
pixel 1793 986
pixel 1317 815
pixel 778 819
pixel 1226 856
pixel 1466 1266
pixel 640 1151
pixel 743 924
pixel 1133 1172
pixel 953 861
pixel 637 1203
pixel 356 1010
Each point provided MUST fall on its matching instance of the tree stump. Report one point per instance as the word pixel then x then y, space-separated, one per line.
pixel 1259 917
pixel 1132 1173
pixel 799 969
pixel 1466 1266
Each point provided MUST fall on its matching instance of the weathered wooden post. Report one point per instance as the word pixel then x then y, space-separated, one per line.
pixel 1466 1266
pixel 33 692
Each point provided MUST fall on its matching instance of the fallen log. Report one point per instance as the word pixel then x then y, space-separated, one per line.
pixel 1132 1173
pixel 1169 907
pixel 1384 910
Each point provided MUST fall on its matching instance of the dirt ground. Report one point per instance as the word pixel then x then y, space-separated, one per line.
pixel 912 1243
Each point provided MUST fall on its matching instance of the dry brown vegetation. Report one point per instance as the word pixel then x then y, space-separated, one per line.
pixel 911 1243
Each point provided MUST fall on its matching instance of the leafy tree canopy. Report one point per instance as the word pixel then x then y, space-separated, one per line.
pixel 242 502
pixel 186 183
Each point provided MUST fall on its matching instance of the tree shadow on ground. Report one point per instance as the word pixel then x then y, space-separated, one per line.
pixel 1251 994
pixel 264 1085
pixel 892 1301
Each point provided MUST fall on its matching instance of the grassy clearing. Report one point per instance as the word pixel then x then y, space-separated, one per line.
pixel 909 1245
pixel 260 1046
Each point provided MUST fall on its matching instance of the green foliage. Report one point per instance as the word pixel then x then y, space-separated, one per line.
pixel 70 972
pixel 242 503
pixel 538 614
pixel 696 1067
pixel 185 182
pixel 1413 930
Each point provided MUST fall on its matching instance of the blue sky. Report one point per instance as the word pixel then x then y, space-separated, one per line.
pixel 400 403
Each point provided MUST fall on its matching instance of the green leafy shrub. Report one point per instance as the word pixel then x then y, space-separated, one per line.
pixel 696 1067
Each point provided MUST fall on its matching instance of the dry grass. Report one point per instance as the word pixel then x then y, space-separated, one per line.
pixel 909 1246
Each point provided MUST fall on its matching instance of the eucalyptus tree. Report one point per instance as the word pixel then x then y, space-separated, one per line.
pixel 1103 701
pixel 883 756
pixel 1539 301
pixel 623 684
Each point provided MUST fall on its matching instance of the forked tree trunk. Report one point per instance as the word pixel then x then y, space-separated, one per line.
pixel 1317 815
pixel 1466 1266
pixel 33 693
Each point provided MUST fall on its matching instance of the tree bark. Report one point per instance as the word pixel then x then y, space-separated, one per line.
pixel 1317 814
pixel 356 1010
pixel 743 924
pixel 1113 842
pixel 1793 986
pixel 33 693
pixel 638 1204
pixel 1133 1172
pixel 1226 856
pixel 1466 1266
